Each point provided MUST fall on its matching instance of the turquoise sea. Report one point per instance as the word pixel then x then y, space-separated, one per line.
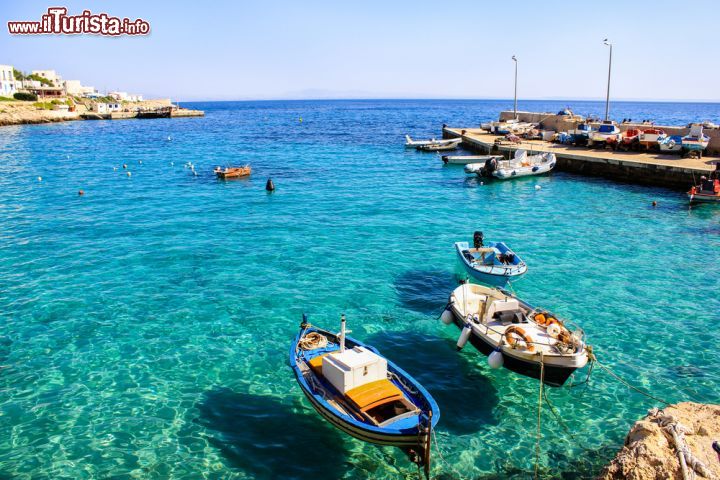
pixel 145 326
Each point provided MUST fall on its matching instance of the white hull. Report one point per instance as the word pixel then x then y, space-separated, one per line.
pixel 410 143
pixel 525 166
pixel 483 309
pixel 468 159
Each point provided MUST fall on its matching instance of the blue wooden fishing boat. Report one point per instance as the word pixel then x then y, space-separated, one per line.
pixel 362 393
pixel 493 264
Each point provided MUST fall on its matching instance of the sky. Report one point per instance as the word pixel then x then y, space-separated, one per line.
pixel 241 50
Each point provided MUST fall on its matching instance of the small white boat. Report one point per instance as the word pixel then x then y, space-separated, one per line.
pixel 521 165
pixel 524 339
pixel 468 159
pixel 441 146
pixel 410 143
pixel 492 263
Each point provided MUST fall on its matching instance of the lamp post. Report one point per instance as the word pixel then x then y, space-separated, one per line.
pixel 515 108
pixel 607 98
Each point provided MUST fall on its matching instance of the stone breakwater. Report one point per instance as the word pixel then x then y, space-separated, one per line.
pixel 650 450
pixel 18 113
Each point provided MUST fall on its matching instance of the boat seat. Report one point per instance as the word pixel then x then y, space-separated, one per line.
pixel 316 364
pixel 374 394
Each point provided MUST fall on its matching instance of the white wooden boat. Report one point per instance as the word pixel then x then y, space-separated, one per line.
pixel 515 334
pixel 410 143
pixel 696 140
pixel 650 137
pixel 468 159
pixel 521 165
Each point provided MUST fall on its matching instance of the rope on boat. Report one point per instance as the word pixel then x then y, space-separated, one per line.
pixel 677 431
pixel 539 415
pixel 312 341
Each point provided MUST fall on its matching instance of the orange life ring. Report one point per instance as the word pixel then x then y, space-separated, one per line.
pixel 512 341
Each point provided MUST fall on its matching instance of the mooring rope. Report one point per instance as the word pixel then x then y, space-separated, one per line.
pixel 677 431
pixel 629 385
pixel 539 432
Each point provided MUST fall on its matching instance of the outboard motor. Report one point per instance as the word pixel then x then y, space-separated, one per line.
pixel 478 239
pixel 490 165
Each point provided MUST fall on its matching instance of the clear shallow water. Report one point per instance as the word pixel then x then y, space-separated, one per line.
pixel 145 326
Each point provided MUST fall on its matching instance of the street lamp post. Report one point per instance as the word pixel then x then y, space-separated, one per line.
pixel 607 98
pixel 515 108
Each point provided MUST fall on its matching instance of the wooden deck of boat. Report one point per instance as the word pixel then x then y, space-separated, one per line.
pixel 635 167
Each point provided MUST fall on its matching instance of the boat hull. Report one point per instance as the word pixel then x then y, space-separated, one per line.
pixel 703 198
pixel 508 173
pixel 554 376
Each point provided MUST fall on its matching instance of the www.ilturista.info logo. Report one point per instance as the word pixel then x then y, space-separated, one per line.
pixel 57 21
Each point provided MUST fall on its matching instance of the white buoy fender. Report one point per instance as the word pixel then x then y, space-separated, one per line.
pixel 464 335
pixel 495 359
pixel 447 317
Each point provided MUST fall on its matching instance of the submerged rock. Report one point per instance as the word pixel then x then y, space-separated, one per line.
pixel 650 452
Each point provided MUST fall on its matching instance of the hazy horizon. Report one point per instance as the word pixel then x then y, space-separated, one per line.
pixel 282 50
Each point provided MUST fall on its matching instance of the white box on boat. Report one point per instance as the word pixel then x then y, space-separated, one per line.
pixel 547 135
pixel 353 368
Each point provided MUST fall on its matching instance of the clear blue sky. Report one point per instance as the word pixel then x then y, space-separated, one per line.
pixel 224 50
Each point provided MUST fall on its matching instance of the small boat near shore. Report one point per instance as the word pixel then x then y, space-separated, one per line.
pixel 521 165
pixel 233 172
pixel 707 191
pixel 468 159
pixel 362 393
pixel 440 147
pixel 524 339
pixel 494 263
pixel 410 143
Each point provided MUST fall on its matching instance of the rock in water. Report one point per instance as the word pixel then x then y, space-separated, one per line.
pixel 270 186
pixel 649 452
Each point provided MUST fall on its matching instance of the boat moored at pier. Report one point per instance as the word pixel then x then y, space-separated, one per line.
pixel 524 339
pixel 468 159
pixel 410 143
pixel 440 146
pixel 521 165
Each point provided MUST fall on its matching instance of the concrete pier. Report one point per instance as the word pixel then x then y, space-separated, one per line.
pixel 648 168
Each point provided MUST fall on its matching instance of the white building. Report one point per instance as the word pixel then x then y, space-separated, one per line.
pixel 74 87
pixel 50 75
pixel 8 85
pixel 102 107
